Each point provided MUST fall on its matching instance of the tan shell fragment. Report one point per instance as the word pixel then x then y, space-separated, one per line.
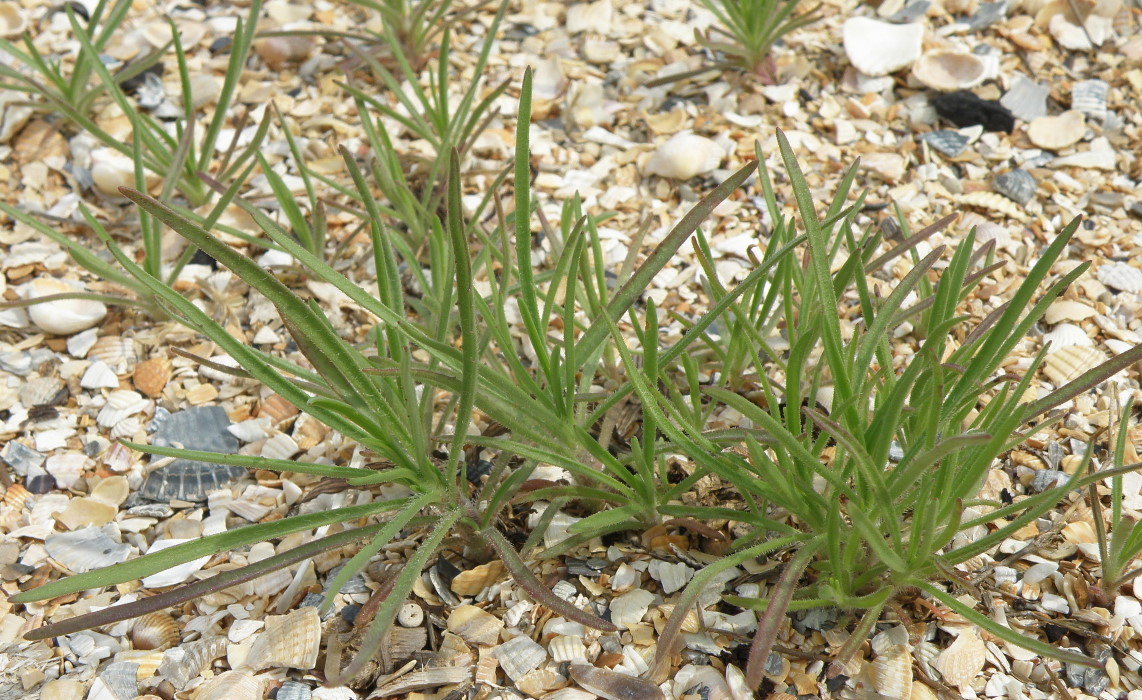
pixel 472 581
pixel 1070 362
pixel 151 376
pixel 156 630
pixel 12 22
pixel 474 625
pixel 962 661
pixel 1057 132
pixel 948 70
pixel 994 202
pixel 289 641
pixel 892 672
pixel 1068 310
pixel 231 685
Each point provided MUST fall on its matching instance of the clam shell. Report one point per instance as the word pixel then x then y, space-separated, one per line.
pixel 1071 362
pixel 993 202
pixel 1017 185
pixel 12 21
pixel 950 143
pixel 231 685
pixel 289 641
pixel 1057 132
pixel 474 625
pixel 62 317
pixel 1026 99
pixel 156 630
pixel 685 155
pixel 613 685
pixel 879 48
pixel 120 404
pixel 962 660
pixel 1066 335
pixel 519 655
pixel 1120 277
pixel 701 681
pixel 947 70
pixel 892 672
pixel 1089 97
pixel 472 581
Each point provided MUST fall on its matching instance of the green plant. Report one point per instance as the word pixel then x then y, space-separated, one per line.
pixel 751 28
pixel 860 529
pixel 410 28
pixel 413 387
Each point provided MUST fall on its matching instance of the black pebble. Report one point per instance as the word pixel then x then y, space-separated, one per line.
pixel 965 108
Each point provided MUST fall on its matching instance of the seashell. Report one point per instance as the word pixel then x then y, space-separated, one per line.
pixel 701 681
pixel 595 17
pixel 890 167
pixel 962 660
pixel 892 672
pixel 174 574
pixel 1026 99
pixel 630 607
pixel 613 685
pixel 947 70
pixel 12 21
pixel 278 51
pixel 1089 97
pixel 62 690
pixel 120 404
pixel 116 681
pixel 993 202
pixel 42 391
pixel 116 352
pixel 1068 310
pixel 87 549
pixel 186 662
pixel 950 143
pixel 289 641
pixel 685 155
pixel 432 677
pixel 156 630
pixel 85 512
pixel 1066 335
pixel 519 655
pixel 920 691
pixel 1100 155
pixel 61 317
pixel 1071 362
pixel 151 376
pixel 474 625
pixel 541 680
pixel 410 615
pixel 1017 185
pixel 474 580
pixel 1120 277
pixel 231 685
pixel 879 48
pixel 672 576
pixel 1057 132
pixel 566 647
pixel 110 171
pixel 293 690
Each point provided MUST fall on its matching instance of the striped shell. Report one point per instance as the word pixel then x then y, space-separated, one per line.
pixel 156 630
pixel 993 202
pixel 289 641
pixel 962 661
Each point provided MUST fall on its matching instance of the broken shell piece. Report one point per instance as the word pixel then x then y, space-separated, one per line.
pixel 289 641
pixel 950 143
pixel 1017 185
pixel 613 685
pixel 962 661
pixel 879 48
pixel 472 581
pixel 12 22
pixel 684 156
pixel 1089 97
pixel 87 549
pixel 156 630
pixel 892 672
pixel 1120 276
pixel 1071 362
pixel 565 648
pixel 1057 132
pixel 185 662
pixel 520 655
pixel 151 376
pixel 1068 310
pixel 231 685
pixel 1100 155
pixel 64 316
pixel 410 615
pixel 542 680
pixel 1065 335
pixel 947 70
pixel 993 202
pixel 1026 99
pixel 630 607
pixel 474 625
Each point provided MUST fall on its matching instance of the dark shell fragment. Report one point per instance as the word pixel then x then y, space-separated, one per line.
pixel 964 108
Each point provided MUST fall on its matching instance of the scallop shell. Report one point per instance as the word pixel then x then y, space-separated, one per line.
pixel 120 404
pixel 950 143
pixel 1120 277
pixel 892 672
pixel 993 202
pixel 701 681
pixel 65 316
pixel 1071 362
pixel 1026 99
pixel 1066 335
pixel 156 630
pixel 12 21
pixel 231 685
pixel 1017 185
pixel 519 655
pixel 879 48
pixel 685 155
pixel 474 580
pixel 962 660
pixel 613 685
pixel 1089 97
pixel 947 70
pixel 474 625
pixel 1057 132
pixel 289 641
pixel 151 376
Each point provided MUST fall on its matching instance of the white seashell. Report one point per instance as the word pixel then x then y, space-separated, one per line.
pixel 280 446
pixel 948 70
pixel 67 468
pixel 1101 155
pixel 62 317
pixel 410 615
pixel 1026 99
pixel 994 202
pixel 672 576
pixel 1066 335
pixel 175 574
pixel 735 681
pixel 519 655
pixel 1089 97
pixel 1068 310
pixel 186 662
pixel 120 404
pixel 1120 277
pixel 595 17
pixel 12 21
pixel 1057 132
pixel 630 607
pixel 879 48
pixel 701 681
pixel 99 376
pixel 684 156
pixel 1071 362
pixel 289 641
pixel 231 685
pixel 962 661
pixel 116 351
pixel 892 672
pixel 110 171
pixel 565 648
pixel 116 681
pixel 87 549
pixel 474 625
